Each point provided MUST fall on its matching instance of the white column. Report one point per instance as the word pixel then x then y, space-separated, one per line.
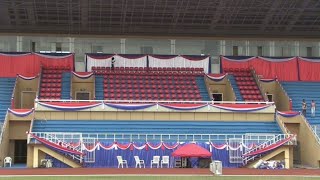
pixel 123 46
pixel 272 48
pixel 71 44
pixel 173 46
pixel 222 47
pixel 19 44
pixel 247 48
pixel 296 48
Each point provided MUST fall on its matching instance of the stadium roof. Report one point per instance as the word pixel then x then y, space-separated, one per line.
pixel 274 18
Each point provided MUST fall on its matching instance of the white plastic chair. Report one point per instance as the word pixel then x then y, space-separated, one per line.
pixel 139 162
pixel 7 160
pixel 165 160
pixel 121 162
pixel 155 160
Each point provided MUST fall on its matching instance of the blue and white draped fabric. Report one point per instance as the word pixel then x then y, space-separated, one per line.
pixel 288 114
pixel 129 106
pixel 183 106
pixel 241 107
pixel 69 106
pixel 317 60
pixel 27 78
pixel 277 59
pixel 238 58
pixel 267 80
pixel 21 112
pixel 56 56
pixel 82 75
pixel 216 77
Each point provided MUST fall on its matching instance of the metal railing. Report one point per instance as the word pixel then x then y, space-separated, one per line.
pixel 13 92
pixel 282 125
pixel 234 94
pixel 313 129
pixel 220 138
pixel 39 83
pixel 267 143
pixel 152 101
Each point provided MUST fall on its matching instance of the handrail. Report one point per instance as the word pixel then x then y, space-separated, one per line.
pixel 234 94
pixel 257 80
pixel 151 101
pixel 39 83
pixel 285 92
pixel 282 125
pixel 71 77
pixel 267 143
pixel 310 128
pixel 13 91
pixel 4 126
pixel 207 86
pixel 65 137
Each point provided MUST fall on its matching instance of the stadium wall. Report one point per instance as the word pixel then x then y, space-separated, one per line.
pixel 25 93
pixel 83 85
pixel 161 116
pixel 279 95
pixel 222 86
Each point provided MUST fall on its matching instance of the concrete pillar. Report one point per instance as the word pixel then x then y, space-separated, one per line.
pixel 222 47
pixel 296 48
pixel 247 48
pixel 122 46
pixel 19 43
pixel 35 157
pixel 272 48
pixel 71 44
pixel 173 46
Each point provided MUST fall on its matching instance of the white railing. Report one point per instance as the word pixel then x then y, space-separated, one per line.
pixel 312 129
pixel 282 125
pixel 76 137
pixel 152 101
pixel 39 84
pixel 267 143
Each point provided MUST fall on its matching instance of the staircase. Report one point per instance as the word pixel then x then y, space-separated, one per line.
pixel 235 87
pixel 6 88
pixel 276 139
pixel 66 85
pixel 202 88
pixel 99 87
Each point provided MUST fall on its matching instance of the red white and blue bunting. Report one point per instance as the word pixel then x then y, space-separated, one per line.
pixel 129 106
pixel 21 112
pixel 288 113
pixel 241 107
pixel 65 106
pixel 161 145
pixel 82 75
pixel 183 106
pixel 76 106
pixel 216 77
pixel 27 78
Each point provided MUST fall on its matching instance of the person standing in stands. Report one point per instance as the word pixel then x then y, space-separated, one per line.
pixel 304 107
pixel 112 63
pixel 313 108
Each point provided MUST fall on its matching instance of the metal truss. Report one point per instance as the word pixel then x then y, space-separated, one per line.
pixel 163 17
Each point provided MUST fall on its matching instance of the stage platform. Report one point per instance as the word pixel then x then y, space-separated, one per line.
pixel 148 172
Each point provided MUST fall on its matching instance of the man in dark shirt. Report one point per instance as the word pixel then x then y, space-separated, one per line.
pixel 112 63
pixel 304 107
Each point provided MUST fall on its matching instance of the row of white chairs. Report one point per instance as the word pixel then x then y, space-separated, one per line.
pixel 139 163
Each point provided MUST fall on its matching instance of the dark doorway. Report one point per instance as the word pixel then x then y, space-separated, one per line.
pixel 270 97
pixel 83 96
pixel 217 97
pixel 20 151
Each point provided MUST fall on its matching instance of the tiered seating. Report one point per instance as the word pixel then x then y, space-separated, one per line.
pixel 247 86
pixel 51 82
pixel 151 83
pixel 6 88
pixel 309 91
pixel 155 127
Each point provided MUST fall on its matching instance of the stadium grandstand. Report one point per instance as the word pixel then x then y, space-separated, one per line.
pixel 161 84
